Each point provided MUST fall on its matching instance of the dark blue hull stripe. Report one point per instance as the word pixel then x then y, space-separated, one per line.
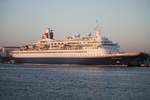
pixel 121 60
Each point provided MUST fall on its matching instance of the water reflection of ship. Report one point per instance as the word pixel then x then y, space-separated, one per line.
pixel 90 49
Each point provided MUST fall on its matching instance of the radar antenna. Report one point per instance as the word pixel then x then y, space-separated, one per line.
pixel 98 31
pixel 96 21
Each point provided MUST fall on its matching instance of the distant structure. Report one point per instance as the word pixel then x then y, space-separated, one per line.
pixel 5 51
pixel 5 54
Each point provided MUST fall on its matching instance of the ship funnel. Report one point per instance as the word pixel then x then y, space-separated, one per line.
pixel 45 35
pixel 48 33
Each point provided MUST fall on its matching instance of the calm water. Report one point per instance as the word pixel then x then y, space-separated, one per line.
pixel 62 82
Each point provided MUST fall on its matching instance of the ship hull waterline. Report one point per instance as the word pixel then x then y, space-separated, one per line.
pixel 115 60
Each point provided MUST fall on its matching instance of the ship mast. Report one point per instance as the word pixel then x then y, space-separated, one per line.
pixel 98 32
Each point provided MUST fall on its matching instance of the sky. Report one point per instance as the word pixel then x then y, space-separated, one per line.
pixel 126 22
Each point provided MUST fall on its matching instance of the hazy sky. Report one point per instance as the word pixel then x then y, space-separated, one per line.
pixel 126 22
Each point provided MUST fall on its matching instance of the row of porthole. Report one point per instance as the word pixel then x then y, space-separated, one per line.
pixel 60 43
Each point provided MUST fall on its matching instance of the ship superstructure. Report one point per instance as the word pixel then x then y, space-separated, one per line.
pixel 73 50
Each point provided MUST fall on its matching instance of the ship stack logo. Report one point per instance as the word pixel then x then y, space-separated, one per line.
pixel 46 34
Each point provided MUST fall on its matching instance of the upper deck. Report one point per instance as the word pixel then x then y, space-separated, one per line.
pixel 75 42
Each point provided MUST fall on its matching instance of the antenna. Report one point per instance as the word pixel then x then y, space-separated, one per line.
pixel 96 21
pixel 51 30
pixel 98 31
pixel 97 28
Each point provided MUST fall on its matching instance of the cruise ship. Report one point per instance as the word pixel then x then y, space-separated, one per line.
pixel 93 49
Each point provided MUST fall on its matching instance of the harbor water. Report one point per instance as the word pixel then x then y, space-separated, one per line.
pixel 73 82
